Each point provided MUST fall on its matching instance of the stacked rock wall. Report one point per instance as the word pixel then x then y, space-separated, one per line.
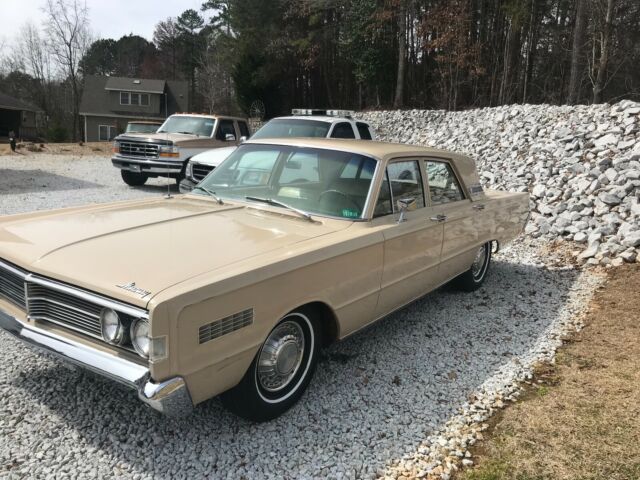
pixel 581 165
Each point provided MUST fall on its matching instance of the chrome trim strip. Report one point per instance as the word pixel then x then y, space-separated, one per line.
pixel 170 397
pixel 69 326
pixel 21 273
pixel 65 305
pixel 90 297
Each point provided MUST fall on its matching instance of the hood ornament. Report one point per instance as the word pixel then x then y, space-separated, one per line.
pixel 131 287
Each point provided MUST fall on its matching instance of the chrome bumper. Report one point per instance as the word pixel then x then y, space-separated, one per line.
pixel 170 397
pixel 140 165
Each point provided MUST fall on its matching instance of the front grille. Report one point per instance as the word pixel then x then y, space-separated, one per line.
pixel 63 309
pixel 139 149
pixel 201 171
pixel 225 325
pixel 12 284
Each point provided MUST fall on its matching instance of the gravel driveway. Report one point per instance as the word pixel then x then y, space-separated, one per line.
pixel 375 401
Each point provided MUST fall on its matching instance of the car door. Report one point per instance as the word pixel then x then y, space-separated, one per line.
pixel 412 246
pixel 454 211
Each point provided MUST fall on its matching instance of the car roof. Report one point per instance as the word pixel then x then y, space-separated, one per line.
pixel 208 115
pixel 372 148
pixel 320 118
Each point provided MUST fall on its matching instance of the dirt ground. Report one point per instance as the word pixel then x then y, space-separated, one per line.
pixel 579 419
pixel 91 148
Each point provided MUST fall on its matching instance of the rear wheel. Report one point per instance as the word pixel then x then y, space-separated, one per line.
pixel 473 278
pixel 281 370
pixel 133 179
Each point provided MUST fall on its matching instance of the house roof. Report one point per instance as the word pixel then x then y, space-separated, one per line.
pixel 135 85
pixel 8 102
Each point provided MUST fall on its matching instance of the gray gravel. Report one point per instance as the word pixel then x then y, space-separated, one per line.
pixel 378 405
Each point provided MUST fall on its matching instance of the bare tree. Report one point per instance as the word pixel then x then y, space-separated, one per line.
pixel 398 99
pixel 605 47
pixel 215 82
pixel 67 26
pixel 37 62
pixel 577 51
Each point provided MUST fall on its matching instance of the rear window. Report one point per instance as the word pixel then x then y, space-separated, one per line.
pixel 363 130
pixel 291 127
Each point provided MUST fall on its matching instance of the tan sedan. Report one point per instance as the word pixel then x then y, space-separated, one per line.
pixel 287 246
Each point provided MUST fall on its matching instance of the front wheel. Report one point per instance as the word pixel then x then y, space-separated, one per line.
pixel 281 370
pixel 473 278
pixel 133 179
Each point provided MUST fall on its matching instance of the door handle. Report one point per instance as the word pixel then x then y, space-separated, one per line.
pixel 438 218
pixel 478 207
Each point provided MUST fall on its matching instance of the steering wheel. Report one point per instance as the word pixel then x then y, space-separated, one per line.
pixel 340 194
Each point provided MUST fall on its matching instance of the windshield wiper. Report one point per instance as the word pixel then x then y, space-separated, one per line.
pixel 212 194
pixel 276 203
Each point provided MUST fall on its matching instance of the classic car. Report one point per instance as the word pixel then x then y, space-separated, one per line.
pixel 289 245
pixel 165 153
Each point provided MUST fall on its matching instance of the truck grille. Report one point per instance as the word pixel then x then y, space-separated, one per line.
pixel 12 284
pixel 201 171
pixel 139 149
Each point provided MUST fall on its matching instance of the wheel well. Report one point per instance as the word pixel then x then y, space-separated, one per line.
pixel 328 321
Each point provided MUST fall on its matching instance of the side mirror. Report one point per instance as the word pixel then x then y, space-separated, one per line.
pixel 229 137
pixel 406 204
pixel 243 139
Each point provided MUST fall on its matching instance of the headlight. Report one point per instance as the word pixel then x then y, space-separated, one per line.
pixel 189 171
pixel 112 329
pixel 140 337
pixel 169 151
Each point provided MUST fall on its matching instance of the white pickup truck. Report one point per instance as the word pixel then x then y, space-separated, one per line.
pixel 166 152
pixel 309 123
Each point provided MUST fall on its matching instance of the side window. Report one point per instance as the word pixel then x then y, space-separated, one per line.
pixel 343 130
pixel 300 167
pixel 363 130
pixel 244 130
pixel 403 180
pixel 225 127
pixel 443 184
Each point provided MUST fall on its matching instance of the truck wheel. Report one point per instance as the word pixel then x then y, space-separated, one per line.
pixel 473 278
pixel 281 370
pixel 133 179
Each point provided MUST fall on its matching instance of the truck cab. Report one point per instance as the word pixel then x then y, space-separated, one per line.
pixel 165 153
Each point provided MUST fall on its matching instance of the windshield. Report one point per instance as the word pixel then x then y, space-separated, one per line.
pixel 292 127
pixel 142 128
pixel 316 181
pixel 200 126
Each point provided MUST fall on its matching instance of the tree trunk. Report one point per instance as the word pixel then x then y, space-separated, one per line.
pixel 577 52
pixel 604 54
pixel 402 57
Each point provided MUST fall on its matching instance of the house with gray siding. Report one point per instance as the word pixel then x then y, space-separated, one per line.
pixel 109 103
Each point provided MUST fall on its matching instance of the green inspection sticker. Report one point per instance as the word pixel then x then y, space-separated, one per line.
pixel 349 213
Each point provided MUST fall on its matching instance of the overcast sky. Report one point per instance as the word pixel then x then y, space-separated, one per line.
pixel 109 19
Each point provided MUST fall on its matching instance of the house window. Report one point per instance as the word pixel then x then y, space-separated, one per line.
pixel 133 98
pixel 106 133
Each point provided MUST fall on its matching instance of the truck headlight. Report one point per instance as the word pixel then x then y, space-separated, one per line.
pixel 112 329
pixel 140 337
pixel 169 151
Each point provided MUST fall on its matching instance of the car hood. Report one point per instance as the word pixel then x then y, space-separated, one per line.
pixel 164 138
pixel 152 243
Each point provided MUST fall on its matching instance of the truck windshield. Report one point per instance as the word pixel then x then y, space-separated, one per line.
pixel 142 128
pixel 316 181
pixel 200 126
pixel 292 127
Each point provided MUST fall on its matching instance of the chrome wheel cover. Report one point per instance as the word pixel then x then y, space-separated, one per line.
pixel 281 356
pixel 478 266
